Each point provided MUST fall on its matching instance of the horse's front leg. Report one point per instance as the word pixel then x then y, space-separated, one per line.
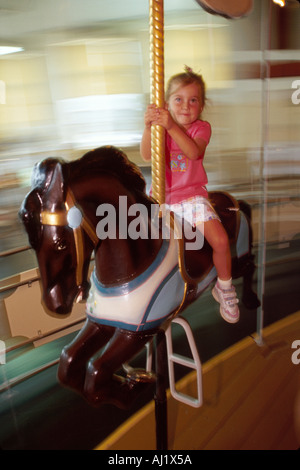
pixel 102 385
pixel 75 356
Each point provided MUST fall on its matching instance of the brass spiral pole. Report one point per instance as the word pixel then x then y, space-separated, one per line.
pixel 157 97
pixel 158 192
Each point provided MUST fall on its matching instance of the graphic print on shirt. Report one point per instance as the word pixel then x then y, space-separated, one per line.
pixel 178 162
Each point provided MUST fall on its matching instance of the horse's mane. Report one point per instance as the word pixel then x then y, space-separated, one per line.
pixel 106 159
pixel 101 160
pixel 110 160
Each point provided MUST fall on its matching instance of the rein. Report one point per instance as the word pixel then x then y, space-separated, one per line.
pixel 73 218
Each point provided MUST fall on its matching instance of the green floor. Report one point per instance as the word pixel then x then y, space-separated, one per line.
pixel 37 413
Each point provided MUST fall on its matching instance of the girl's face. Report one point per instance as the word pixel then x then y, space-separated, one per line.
pixel 185 104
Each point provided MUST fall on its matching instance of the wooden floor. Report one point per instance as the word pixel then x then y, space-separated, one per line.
pixel 251 401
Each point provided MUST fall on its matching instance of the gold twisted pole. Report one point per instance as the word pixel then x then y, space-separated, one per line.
pixel 157 97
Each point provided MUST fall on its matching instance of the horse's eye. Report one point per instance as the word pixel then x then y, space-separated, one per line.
pixel 60 245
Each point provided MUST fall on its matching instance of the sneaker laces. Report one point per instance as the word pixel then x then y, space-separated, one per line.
pixel 229 297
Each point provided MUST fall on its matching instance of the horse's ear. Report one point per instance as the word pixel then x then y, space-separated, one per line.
pixel 54 197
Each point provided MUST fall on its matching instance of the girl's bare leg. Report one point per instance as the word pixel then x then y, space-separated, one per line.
pixel 216 236
pixel 224 291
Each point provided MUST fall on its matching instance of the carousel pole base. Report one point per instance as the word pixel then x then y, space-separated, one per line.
pixel 160 399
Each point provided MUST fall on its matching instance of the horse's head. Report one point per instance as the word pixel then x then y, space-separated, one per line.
pixel 54 227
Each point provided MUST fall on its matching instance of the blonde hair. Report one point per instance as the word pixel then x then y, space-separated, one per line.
pixel 183 79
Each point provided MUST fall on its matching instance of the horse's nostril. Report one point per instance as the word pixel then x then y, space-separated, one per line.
pixel 56 302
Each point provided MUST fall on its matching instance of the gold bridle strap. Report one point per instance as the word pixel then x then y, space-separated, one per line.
pixel 60 219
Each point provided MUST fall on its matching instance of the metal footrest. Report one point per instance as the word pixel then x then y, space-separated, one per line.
pixel 192 363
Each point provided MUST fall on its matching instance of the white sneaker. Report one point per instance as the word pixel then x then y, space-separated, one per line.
pixel 228 303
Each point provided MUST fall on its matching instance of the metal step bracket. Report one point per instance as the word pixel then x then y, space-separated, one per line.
pixel 192 363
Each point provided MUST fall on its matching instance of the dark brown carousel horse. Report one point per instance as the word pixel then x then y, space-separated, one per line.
pixel 141 278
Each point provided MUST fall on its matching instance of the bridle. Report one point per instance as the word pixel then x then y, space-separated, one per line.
pixel 74 218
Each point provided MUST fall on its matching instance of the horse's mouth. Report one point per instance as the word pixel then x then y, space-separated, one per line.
pixel 55 301
pixel 83 292
pixel 63 310
pixel 60 309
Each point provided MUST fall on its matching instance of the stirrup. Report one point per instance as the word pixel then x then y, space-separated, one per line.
pixel 194 363
pixel 141 375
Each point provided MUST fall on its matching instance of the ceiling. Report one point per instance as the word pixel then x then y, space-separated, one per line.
pixel 32 21
pixel 34 24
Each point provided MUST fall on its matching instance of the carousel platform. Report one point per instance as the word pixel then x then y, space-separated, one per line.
pixel 250 391
pixel 251 401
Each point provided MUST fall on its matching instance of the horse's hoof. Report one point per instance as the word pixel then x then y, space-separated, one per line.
pixel 141 375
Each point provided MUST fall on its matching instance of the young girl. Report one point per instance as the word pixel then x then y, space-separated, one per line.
pixel 185 186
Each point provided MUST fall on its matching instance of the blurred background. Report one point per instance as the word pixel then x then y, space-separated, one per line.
pixel 75 75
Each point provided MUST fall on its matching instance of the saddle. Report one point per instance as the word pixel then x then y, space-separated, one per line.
pixel 196 264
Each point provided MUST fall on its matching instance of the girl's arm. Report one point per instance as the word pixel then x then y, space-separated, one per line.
pixel 145 146
pixel 192 148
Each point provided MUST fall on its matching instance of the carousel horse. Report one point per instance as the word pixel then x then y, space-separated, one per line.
pixel 139 282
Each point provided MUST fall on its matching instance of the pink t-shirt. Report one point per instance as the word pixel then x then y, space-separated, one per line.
pixel 186 178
